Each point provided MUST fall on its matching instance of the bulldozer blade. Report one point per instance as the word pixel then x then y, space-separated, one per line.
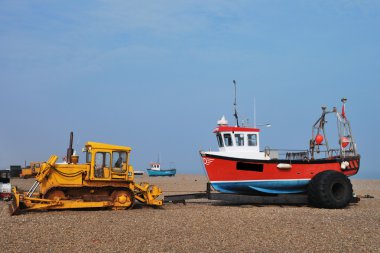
pixel 13 207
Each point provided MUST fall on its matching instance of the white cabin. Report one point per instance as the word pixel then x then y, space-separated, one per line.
pixel 155 166
pixel 238 142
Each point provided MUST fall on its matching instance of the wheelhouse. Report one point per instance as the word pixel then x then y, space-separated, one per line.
pixel 237 138
pixel 155 166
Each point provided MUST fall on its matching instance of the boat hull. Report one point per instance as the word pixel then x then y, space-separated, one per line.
pixel 161 173
pixel 250 176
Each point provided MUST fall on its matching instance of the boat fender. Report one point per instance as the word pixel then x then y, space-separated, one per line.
pixel 284 166
pixel 344 165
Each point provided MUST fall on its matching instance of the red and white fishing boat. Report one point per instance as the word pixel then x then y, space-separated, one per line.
pixel 321 171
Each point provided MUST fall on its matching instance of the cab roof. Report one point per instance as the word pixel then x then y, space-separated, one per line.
pixel 99 145
pixel 235 129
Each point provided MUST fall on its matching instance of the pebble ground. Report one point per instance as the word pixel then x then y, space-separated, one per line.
pixel 198 226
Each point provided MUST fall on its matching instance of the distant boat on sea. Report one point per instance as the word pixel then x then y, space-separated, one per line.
pixel 139 172
pixel 156 171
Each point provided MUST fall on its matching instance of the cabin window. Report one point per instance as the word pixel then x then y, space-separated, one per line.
pixel 88 157
pixel 227 140
pixel 220 140
pixel 239 139
pixel 118 158
pixel 252 139
pixel 102 161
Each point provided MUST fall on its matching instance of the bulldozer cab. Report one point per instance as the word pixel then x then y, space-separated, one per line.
pixel 35 166
pixel 108 162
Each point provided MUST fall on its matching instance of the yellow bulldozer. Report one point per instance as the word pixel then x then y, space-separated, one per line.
pixel 31 171
pixel 106 179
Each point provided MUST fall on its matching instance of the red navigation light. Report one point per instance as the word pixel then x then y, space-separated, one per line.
pixel 319 139
pixel 344 141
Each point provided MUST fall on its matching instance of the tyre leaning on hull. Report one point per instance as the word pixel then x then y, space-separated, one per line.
pixel 330 189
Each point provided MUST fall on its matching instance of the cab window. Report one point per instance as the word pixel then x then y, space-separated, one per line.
pixel 102 161
pixel 227 140
pixel 118 158
pixel 88 157
pixel 252 139
pixel 239 139
pixel 220 140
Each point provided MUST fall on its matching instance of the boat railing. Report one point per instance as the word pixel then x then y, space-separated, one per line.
pixel 335 153
pixel 297 155
pixel 288 154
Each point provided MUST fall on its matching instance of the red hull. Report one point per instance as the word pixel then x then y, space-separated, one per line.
pixel 224 168
pixel 234 174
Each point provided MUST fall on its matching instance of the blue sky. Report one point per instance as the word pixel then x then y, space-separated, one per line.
pixel 156 75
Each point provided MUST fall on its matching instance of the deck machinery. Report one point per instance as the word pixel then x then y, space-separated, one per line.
pixel 106 179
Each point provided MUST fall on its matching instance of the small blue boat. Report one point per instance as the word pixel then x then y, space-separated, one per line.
pixel 156 171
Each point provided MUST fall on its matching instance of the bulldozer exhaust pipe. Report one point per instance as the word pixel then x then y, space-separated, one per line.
pixel 70 150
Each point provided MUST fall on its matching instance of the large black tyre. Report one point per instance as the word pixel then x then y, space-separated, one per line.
pixel 330 189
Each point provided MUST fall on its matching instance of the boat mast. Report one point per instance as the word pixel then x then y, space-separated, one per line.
pixel 254 112
pixel 345 132
pixel 319 127
pixel 235 114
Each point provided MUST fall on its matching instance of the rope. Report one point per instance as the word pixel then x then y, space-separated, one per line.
pixel 67 174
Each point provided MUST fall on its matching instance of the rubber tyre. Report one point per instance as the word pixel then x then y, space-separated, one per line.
pixel 330 189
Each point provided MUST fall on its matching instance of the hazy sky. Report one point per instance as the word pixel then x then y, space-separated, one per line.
pixel 157 75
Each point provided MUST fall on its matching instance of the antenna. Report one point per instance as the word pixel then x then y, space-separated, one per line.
pixel 77 145
pixel 344 100
pixel 254 112
pixel 235 114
